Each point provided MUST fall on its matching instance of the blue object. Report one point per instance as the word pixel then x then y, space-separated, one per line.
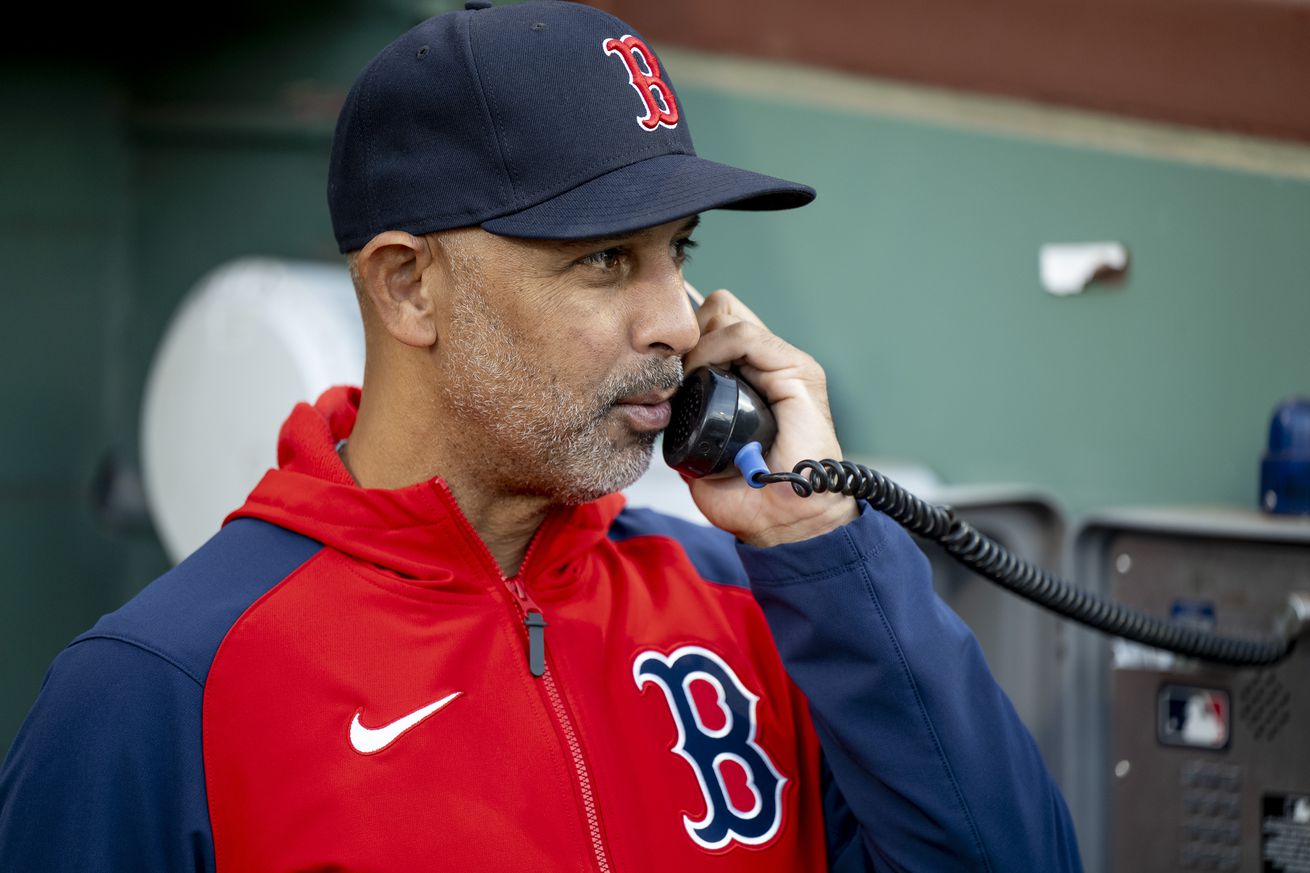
pixel 750 460
pixel 1285 467
pixel 543 120
pixel 1196 613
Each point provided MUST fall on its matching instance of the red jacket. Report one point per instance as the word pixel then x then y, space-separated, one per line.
pixel 575 769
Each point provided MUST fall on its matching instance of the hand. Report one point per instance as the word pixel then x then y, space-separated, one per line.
pixel 794 386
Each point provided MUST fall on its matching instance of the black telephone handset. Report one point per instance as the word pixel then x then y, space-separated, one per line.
pixel 719 419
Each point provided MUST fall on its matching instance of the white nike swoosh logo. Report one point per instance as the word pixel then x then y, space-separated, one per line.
pixel 370 741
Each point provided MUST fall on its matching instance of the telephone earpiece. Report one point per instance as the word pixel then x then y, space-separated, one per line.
pixel 716 417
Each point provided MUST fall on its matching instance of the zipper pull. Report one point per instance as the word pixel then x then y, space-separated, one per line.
pixel 536 623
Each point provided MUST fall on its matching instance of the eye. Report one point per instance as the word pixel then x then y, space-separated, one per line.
pixel 681 250
pixel 608 259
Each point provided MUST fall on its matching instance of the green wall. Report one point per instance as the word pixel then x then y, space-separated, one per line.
pixel 913 278
pixel 64 177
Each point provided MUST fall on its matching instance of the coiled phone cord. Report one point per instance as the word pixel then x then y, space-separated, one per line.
pixel 987 557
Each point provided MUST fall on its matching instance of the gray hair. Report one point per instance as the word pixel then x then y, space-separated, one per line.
pixel 352 264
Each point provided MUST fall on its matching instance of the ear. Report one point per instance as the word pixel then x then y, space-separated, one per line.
pixel 392 266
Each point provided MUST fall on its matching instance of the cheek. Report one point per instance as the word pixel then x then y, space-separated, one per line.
pixel 582 340
pixel 577 332
pixel 598 347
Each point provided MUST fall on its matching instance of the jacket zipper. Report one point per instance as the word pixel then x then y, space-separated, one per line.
pixel 534 620
pixel 536 625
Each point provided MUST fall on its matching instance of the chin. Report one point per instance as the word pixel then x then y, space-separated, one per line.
pixel 624 467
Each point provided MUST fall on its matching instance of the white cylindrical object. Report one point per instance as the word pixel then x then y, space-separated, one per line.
pixel 254 337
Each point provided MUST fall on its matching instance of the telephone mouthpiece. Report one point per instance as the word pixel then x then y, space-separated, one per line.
pixel 715 414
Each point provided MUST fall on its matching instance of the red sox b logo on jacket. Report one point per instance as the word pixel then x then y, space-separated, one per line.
pixel 716 738
pixel 661 108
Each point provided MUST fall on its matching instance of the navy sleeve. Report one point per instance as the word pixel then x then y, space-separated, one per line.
pixel 708 548
pixel 106 771
pixel 926 750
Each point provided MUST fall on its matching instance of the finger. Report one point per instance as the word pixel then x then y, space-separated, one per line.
pixel 726 303
pixel 718 321
pixel 764 383
pixel 744 342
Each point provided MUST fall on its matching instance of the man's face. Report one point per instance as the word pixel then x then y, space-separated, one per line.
pixel 555 357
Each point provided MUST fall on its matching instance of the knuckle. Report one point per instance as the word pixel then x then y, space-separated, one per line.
pixel 812 367
pixel 715 300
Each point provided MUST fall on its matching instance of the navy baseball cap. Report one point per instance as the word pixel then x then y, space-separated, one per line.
pixel 549 120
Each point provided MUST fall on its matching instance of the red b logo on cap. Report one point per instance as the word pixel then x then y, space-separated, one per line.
pixel 647 82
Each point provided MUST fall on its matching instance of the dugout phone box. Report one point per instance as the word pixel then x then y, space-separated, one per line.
pixel 1204 767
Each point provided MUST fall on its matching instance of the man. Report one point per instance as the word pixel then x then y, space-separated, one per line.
pixel 434 638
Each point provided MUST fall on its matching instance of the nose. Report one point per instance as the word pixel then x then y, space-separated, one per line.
pixel 666 321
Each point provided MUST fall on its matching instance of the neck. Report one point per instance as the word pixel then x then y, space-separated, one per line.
pixel 397 451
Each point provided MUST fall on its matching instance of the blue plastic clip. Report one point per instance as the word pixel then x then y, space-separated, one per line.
pixel 750 460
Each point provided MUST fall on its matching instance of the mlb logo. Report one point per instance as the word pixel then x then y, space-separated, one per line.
pixel 1197 718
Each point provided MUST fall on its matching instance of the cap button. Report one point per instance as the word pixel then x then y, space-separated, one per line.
pixel 477 4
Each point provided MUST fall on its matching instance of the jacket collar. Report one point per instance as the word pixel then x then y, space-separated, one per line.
pixel 417 531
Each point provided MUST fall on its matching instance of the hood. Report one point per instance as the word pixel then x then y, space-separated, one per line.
pixel 417 531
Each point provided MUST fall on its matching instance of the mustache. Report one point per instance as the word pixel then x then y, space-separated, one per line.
pixel 656 374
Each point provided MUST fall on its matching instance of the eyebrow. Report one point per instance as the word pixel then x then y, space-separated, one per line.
pixel 689 225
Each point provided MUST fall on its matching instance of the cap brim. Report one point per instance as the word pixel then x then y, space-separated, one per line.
pixel 647 193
